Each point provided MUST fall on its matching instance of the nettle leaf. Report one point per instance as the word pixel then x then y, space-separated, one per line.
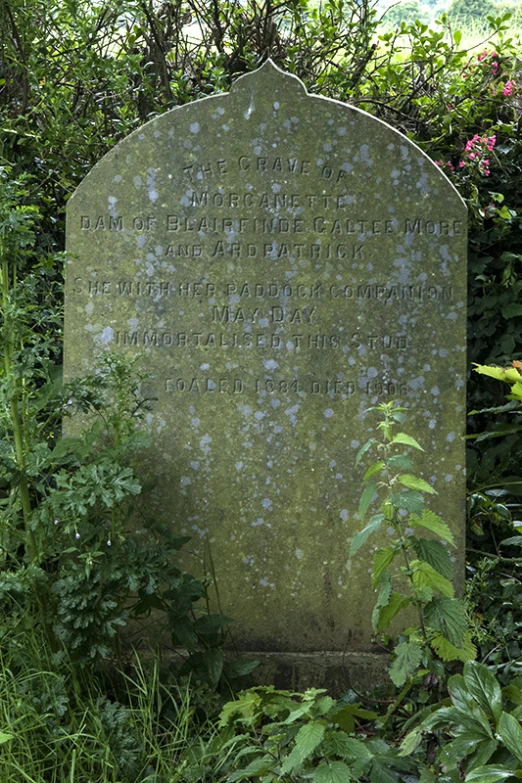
pixel 401 437
pixel 377 467
pixel 430 521
pixel 366 499
pixel 408 656
pixel 333 772
pixel 348 748
pixel 448 616
pixel 361 538
pixel 362 451
pixel 488 774
pixel 399 461
pixel 409 500
pixel 307 739
pixel 382 560
pixel 448 652
pixel 388 612
pixel 434 553
pixel 483 686
pixel 425 575
pixel 510 733
pixel 412 482
pixel 256 767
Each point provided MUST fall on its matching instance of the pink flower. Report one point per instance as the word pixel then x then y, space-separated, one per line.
pixel 483 55
pixel 462 164
pixel 507 90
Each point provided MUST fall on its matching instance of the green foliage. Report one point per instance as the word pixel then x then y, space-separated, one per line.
pixel 479 733
pixel 412 571
pixel 287 736
pixel 81 559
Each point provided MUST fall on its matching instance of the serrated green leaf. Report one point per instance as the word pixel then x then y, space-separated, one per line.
pixel 510 733
pixel 410 742
pixel 366 499
pixel 409 500
pixel 377 467
pixel 425 575
pixel 448 651
pixel 434 553
pixel 348 748
pixel 448 616
pixel 246 705
pixel 488 774
pixel 430 521
pixel 362 536
pixel 412 482
pixel 396 603
pixel 484 687
pixel 5 737
pixel 382 560
pixel 401 461
pixel 408 656
pixel 333 772
pixel 407 440
pixel 257 767
pixel 362 451
pixel 309 737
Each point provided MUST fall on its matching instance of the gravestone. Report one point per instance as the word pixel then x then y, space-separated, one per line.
pixel 280 262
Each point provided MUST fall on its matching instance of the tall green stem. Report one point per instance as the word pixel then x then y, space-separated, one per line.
pixel 14 404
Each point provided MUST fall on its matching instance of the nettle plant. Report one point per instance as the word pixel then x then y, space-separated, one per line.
pixel 413 571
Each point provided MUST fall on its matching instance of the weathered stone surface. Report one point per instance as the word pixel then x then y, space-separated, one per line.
pixel 281 262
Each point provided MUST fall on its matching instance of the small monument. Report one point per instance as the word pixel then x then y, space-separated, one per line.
pixel 280 262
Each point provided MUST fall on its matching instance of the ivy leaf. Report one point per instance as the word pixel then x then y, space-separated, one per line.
pixel 448 616
pixel 366 499
pixel 511 310
pixel 448 652
pixel 307 739
pixel 408 500
pixel 483 686
pixel 401 437
pixel 434 553
pixel 360 538
pixel 425 575
pixel 408 656
pixel 334 772
pixel 511 735
pixel 431 521
pixel 382 560
pixel 412 482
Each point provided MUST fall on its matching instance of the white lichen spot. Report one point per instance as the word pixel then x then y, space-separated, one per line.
pixel 328 413
pixel 266 503
pixel 344 514
pixel 299 553
pixel 194 127
pixel 107 335
pixel 185 481
pixel 238 465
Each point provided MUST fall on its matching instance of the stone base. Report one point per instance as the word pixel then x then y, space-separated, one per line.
pixel 335 671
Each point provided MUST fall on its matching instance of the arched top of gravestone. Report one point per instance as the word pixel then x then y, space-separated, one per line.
pixel 259 98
